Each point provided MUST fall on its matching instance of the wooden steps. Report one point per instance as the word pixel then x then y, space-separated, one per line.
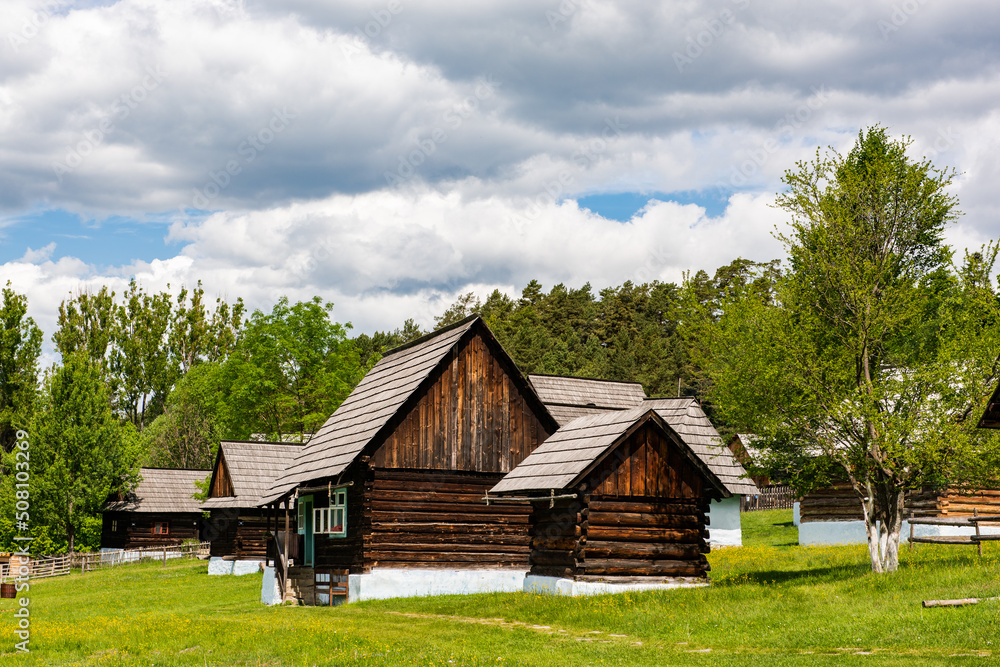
pixel 299 585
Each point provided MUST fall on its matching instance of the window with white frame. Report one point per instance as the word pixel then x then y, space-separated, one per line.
pixel 332 520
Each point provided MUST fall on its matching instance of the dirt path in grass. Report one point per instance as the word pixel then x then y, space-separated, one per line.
pixel 600 636
pixel 578 635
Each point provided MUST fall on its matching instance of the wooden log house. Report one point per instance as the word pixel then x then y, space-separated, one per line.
pixel 622 497
pixel 568 398
pixel 237 524
pixel 390 489
pixel 160 512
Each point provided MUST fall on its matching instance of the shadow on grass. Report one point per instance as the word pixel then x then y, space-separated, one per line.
pixel 837 573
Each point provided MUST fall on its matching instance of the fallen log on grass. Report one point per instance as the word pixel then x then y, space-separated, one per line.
pixel 956 603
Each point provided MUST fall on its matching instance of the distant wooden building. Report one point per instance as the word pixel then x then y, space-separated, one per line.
pixel 619 497
pixel 237 524
pixel 391 487
pixel 160 512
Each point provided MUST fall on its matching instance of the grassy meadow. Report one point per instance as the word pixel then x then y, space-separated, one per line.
pixel 770 602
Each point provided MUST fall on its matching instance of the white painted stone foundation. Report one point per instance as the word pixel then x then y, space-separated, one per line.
pixel 724 528
pixel 270 594
pixel 816 533
pixel 384 583
pixel 218 565
pixel 570 587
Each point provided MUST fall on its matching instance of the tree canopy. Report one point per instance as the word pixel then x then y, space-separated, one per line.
pixel 868 359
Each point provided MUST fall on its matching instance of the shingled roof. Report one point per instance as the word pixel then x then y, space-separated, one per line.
pixel 568 398
pixel 251 467
pixel 162 490
pixel 991 416
pixel 571 452
pixel 691 423
pixel 366 415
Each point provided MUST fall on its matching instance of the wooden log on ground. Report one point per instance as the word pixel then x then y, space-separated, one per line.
pixel 956 603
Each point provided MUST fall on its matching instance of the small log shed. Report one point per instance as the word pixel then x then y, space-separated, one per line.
pixel 619 499
pixel 568 398
pixel 237 525
pixel 160 512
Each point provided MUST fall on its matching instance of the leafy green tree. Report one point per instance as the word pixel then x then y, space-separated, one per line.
pixel 372 348
pixel 20 347
pixel 188 433
pixel 872 350
pixel 290 370
pixel 80 453
pixel 141 368
pixel 86 324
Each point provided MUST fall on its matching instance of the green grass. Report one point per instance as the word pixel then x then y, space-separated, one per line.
pixel 769 603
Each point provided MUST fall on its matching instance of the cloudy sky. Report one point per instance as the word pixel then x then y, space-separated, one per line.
pixel 391 154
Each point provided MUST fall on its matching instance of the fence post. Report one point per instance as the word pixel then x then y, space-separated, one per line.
pixel 164 555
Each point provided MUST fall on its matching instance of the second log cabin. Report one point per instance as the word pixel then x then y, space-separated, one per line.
pixel 619 500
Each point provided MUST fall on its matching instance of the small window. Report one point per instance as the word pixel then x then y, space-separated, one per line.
pixel 332 520
pixel 161 528
pixel 114 525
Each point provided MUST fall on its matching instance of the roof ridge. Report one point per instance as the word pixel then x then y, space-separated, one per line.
pixel 428 336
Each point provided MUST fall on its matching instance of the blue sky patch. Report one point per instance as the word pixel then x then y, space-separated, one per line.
pixel 113 241
pixel 622 206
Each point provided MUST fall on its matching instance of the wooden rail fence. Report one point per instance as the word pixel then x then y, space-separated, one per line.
pixel 769 498
pixel 53 566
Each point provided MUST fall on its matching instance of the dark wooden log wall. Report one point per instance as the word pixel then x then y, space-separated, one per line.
pixel 427 519
pixel 473 418
pixel 841 503
pixel 646 465
pixel 604 537
pixel 557 538
pixel 183 527
pixel 652 538
pixel 239 533
pixel 835 503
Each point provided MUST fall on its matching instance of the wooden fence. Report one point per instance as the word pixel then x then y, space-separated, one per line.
pixel 53 566
pixel 769 498
pixel 97 561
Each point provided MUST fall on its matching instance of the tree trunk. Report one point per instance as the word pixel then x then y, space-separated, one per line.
pixel 883 510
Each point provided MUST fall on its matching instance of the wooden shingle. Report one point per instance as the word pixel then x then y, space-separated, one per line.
pixel 162 490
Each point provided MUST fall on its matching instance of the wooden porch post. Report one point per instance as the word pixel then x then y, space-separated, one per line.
pixel 288 536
